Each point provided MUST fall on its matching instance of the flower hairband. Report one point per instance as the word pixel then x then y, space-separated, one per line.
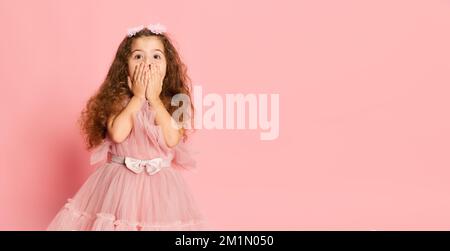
pixel 155 28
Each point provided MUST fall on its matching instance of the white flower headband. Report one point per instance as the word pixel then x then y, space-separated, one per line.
pixel 155 28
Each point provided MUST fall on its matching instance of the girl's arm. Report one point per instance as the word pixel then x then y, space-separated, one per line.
pixel 172 135
pixel 120 125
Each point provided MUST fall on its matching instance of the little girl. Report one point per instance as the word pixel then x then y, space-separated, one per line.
pixel 140 187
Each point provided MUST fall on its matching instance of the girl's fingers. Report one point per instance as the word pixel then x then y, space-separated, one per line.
pixel 134 74
pixel 160 74
pixel 141 73
pixel 146 75
pixel 152 71
pixel 147 70
pixel 157 76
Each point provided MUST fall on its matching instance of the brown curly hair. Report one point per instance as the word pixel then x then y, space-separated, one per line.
pixel 114 93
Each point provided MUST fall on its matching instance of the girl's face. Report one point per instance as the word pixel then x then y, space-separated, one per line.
pixel 147 49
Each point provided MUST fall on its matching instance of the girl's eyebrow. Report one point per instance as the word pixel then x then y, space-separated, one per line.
pixel 142 50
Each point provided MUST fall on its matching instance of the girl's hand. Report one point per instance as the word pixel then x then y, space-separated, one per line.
pixel 155 83
pixel 139 82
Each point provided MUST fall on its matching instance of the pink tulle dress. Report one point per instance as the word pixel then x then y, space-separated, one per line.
pixel 139 186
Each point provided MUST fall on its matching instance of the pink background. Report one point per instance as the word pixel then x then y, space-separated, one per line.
pixel 364 110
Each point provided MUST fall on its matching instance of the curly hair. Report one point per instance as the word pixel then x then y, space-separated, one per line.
pixel 114 93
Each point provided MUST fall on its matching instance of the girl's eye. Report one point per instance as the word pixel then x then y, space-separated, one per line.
pixel 138 56
pixel 156 56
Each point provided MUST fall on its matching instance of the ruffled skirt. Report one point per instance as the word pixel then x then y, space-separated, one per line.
pixel 115 198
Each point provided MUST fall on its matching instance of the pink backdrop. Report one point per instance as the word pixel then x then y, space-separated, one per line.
pixel 364 110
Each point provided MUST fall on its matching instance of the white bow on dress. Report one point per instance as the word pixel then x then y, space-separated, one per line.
pixel 152 166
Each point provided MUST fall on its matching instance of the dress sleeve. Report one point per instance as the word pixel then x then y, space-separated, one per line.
pixel 100 153
pixel 183 153
pixel 184 156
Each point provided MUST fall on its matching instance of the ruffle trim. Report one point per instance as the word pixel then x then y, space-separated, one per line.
pixel 78 220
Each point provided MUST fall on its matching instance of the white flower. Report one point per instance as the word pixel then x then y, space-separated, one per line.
pixel 157 28
pixel 132 31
